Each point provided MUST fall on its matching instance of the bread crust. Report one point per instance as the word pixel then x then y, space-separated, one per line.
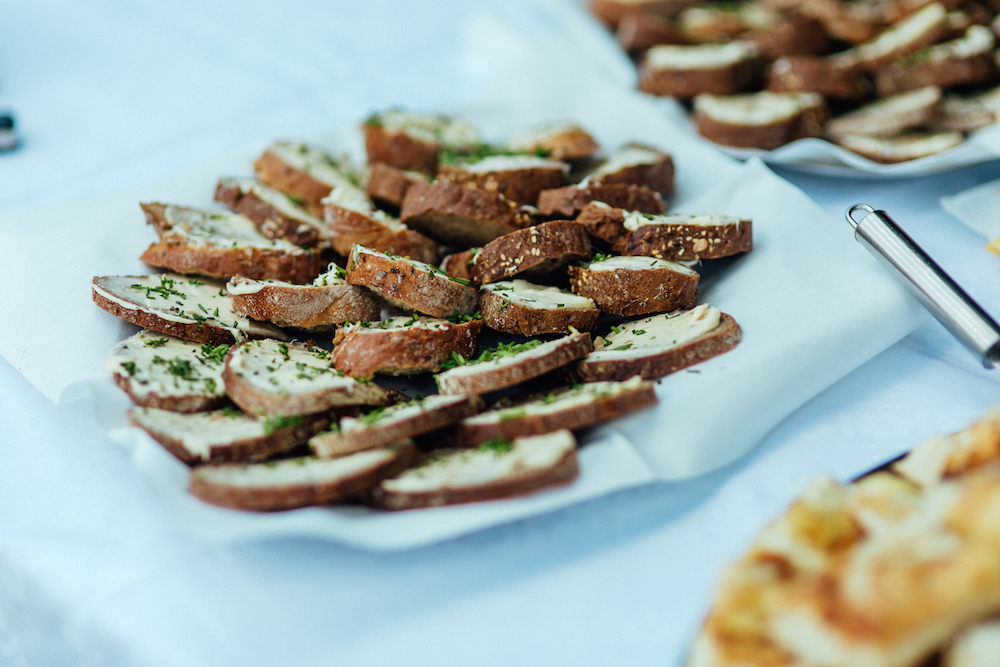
pixel 411 286
pixel 517 185
pixel 640 30
pixel 808 121
pixel 658 176
pixel 459 264
pixel 280 175
pixel 348 227
pixel 685 84
pixel 271 222
pixel 503 315
pixel 568 202
pixel 611 12
pixel 542 250
pixel 690 241
pixel 460 215
pixel 807 73
pixel 364 352
pixel 486 378
pixel 793 34
pixel 722 339
pixel 569 144
pixel 902 76
pixel 871 59
pixel 270 499
pixel 632 292
pixel 877 119
pixel 387 185
pixel 312 308
pixel 398 149
pixel 605 224
pixel 185 403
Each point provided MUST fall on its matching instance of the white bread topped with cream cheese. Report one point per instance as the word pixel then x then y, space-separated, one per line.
pixel 411 141
pixel 519 307
pixel 495 469
pixel 181 306
pixel 306 173
pixel 686 71
pixel 223 244
pixel 762 120
pixel 519 178
pixel 685 237
pixel 635 285
pixel 276 214
pixel 159 371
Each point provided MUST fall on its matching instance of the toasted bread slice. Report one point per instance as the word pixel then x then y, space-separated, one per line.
pixel 225 435
pixel 402 345
pixel 686 71
pixel 572 408
pixel 681 236
pixel 890 115
pixel 605 224
pixel 510 365
pixel 927 26
pixel 519 307
pixel 178 306
pixel 330 300
pixel 710 24
pixel 902 148
pixel 639 31
pixel 635 285
pixel 519 178
pixel 493 470
pixel 636 164
pixel 221 244
pixel 267 377
pixel 539 252
pixel 276 215
pixel 659 345
pixel 567 203
pixel 351 218
pixel 300 482
pixel 164 372
pixel 387 185
pixel 411 141
pixel 459 264
pixel 305 173
pixel 385 426
pixel 411 285
pixel 461 215
pixel 612 12
pixel 852 22
pixel 762 120
pixel 790 35
pixel 806 73
pixel 570 143
pixel 966 60
pixel 962 114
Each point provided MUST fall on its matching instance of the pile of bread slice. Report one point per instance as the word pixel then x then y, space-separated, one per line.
pixel 900 568
pixel 891 80
pixel 278 310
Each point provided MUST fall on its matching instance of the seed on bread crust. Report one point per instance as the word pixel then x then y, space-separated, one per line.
pixel 411 285
pixel 387 185
pixel 687 237
pixel 461 215
pixel 632 286
pixel 567 202
pixel 305 173
pixel 636 164
pixel 519 178
pixel 518 307
pixel 685 71
pixel 301 482
pixel 402 345
pixel 573 408
pixel 494 470
pixel 508 366
pixel 541 251
pixel 274 212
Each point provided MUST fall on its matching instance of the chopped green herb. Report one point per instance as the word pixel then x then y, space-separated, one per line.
pixel 182 369
pixel 600 257
pixel 210 385
pixel 498 446
pixel 165 289
pixel 512 413
pixel 455 318
pixel 490 354
pixel 232 411
pixel 284 350
pixel 156 342
pixel 129 367
pixel 279 422
pixel 214 355
pixel 639 332
pixel 371 417
pixel 622 347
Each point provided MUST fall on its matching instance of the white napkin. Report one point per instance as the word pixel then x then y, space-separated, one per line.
pixel 977 207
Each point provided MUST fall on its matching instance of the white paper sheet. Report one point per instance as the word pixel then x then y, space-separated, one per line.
pixel 977 207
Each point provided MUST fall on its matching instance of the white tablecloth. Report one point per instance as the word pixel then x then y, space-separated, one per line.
pixel 94 571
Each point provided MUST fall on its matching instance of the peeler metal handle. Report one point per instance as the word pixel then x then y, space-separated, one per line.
pixel 928 282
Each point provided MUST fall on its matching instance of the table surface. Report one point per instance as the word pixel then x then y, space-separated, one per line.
pixel 94 571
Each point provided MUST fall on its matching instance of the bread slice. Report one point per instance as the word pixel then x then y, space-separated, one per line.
pixel 790 35
pixel 635 285
pixel 902 148
pixel 268 377
pixel 305 173
pixel 352 218
pixel 221 244
pixel 411 141
pixel 570 143
pixel 387 185
pixel 687 71
pixel 300 482
pixel 962 114
pixel 639 31
pixel 411 285
pixel 498 469
pixel 187 308
pixel 686 237
pixel 710 24
pixel 659 345
pixel 922 28
pixel 384 426
pixel 890 115
pixel 459 264
pixel 330 300
pixel 402 345
pixel 461 215
pixel 852 22
pixel 605 224
pixel 806 73
pixel 612 12
pixel 636 164
pixel 966 60
pixel 276 215
pixel 762 120
pixel 519 307
pixel 572 408
pixel 567 203
pixel 164 372
pixel 539 252
pixel 225 435
pixel 519 178
pixel 511 364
